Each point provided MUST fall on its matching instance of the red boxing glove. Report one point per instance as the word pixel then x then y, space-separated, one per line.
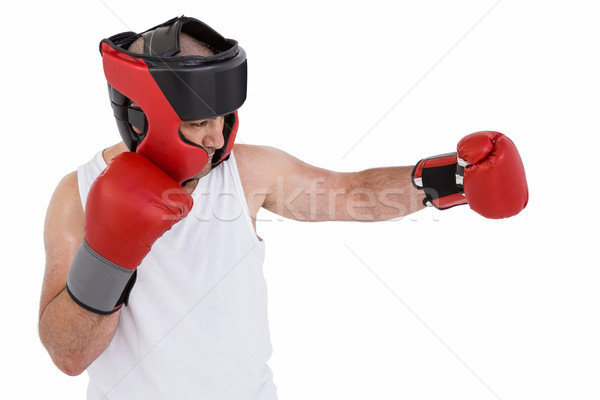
pixel 487 173
pixel 494 177
pixel 130 205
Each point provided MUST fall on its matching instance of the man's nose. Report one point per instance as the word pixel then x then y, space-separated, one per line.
pixel 214 137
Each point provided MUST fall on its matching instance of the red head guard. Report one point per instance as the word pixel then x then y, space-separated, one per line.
pixel 171 89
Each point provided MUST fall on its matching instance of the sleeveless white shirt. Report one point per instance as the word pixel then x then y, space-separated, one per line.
pixel 196 325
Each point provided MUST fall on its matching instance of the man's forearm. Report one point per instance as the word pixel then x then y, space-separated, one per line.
pixel 376 194
pixel 73 336
pixel 381 194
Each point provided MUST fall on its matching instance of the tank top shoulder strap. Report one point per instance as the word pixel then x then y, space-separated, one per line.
pixel 234 179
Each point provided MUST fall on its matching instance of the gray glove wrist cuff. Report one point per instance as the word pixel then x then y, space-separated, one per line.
pixel 97 284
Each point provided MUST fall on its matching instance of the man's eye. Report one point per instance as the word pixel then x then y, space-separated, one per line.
pixel 200 124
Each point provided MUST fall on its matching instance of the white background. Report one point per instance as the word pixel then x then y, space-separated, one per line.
pixel 439 305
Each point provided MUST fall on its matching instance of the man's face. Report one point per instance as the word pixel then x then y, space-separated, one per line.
pixel 207 133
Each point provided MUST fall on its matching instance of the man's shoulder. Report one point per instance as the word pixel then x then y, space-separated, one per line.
pixel 250 151
pixel 65 200
pixel 254 157
pixel 110 152
pixel 265 155
pixel 255 164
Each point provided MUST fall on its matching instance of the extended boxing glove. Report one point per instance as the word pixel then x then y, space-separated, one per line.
pixel 129 206
pixel 486 172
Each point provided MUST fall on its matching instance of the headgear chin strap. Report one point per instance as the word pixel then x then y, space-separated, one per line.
pixel 170 89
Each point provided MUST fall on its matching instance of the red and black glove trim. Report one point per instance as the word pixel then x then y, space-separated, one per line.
pixel 440 177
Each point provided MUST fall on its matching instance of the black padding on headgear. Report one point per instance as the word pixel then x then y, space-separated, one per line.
pixel 137 118
pixel 230 83
pixel 227 129
pixel 220 90
pixel 120 106
pixel 162 41
pixel 210 38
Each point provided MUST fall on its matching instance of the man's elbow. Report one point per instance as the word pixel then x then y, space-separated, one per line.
pixel 70 365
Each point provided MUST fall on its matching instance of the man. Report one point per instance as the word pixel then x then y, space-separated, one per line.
pixel 178 201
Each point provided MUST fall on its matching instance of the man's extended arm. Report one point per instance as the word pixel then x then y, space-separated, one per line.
pixel 73 336
pixel 296 190
pixel 486 172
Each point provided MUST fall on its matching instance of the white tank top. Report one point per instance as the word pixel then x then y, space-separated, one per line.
pixel 196 325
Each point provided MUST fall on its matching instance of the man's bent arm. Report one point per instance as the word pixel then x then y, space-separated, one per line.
pixel 73 336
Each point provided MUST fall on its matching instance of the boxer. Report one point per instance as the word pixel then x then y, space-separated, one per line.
pixel 147 286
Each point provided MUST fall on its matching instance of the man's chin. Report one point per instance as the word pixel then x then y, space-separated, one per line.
pixel 207 168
